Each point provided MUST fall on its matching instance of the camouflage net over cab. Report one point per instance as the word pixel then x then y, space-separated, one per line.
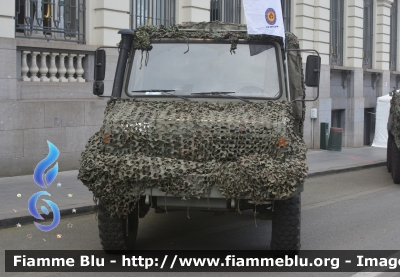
pixel 247 150
pixel 215 30
pixel 395 113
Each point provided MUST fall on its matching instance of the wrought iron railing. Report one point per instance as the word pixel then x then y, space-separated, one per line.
pixel 368 33
pixel 336 32
pixel 153 12
pixel 51 19
pixel 226 11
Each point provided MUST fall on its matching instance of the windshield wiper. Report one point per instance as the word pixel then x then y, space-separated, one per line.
pixel 224 93
pixel 165 91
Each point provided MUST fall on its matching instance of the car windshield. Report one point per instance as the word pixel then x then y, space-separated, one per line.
pixel 207 67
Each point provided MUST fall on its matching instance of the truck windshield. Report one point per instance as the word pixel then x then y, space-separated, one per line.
pixel 206 67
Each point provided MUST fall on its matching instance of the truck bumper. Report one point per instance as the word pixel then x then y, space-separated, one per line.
pixel 214 201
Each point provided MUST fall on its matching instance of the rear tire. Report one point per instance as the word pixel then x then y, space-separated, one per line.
pixel 389 153
pixel 112 230
pixel 395 163
pixel 286 226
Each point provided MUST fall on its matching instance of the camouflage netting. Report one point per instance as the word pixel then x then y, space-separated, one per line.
pixel 248 150
pixel 395 112
pixel 201 30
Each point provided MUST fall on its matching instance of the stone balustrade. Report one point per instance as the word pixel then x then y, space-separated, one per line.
pixel 47 66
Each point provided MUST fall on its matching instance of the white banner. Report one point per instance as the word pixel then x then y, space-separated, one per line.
pixel 264 17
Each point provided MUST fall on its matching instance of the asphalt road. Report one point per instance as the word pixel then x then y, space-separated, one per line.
pixel 355 210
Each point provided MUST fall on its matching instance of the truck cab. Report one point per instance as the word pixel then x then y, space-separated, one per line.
pixel 203 117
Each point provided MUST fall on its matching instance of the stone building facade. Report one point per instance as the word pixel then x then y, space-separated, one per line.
pixel 47 60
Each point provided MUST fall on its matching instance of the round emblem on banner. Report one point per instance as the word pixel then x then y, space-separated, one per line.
pixel 270 16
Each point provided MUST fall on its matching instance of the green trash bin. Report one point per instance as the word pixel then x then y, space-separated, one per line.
pixel 335 139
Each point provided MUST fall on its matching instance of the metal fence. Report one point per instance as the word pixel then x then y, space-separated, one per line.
pixel 51 19
pixel 368 33
pixel 226 10
pixel 153 12
pixel 336 32
pixel 393 35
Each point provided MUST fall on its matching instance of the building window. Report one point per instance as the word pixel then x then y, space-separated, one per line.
pixel 226 10
pixel 286 11
pixel 393 36
pixel 51 19
pixel 153 12
pixel 368 33
pixel 336 31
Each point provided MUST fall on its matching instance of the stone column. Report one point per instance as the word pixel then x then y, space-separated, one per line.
pixel 321 29
pixel 355 15
pixel 7 22
pixel 195 11
pixel 321 44
pixel 105 19
pixel 304 27
pixel 382 34
pixel 355 110
pixel 382 48
pixel 311 25
pixel 324 106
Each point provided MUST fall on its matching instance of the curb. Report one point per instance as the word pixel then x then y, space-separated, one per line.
pixel 347 169
pixel 9 222
pixel 28 219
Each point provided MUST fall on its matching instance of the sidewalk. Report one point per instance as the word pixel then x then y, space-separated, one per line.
pixel 73 195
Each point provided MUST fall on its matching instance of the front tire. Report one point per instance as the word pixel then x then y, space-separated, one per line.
pixel 395 163
pixel 286 225
pixel 113 230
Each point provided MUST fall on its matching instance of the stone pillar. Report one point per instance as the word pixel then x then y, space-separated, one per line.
pixel 104 20
pixel 383 86
pixel 304 27
pixel 382 34
pixel 382 48
pixel 355 15
pixel 311 25
pixel 355 111
pixel 7 21
pixel 195 11
pixel 324 106
pixel 321 29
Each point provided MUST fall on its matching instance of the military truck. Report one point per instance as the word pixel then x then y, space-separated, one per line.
pixel 203 116
pixel 393 143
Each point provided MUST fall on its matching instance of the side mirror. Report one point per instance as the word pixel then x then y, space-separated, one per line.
pixel 313 69
pixel 98 88
pixel 100 65
pixel 99 71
